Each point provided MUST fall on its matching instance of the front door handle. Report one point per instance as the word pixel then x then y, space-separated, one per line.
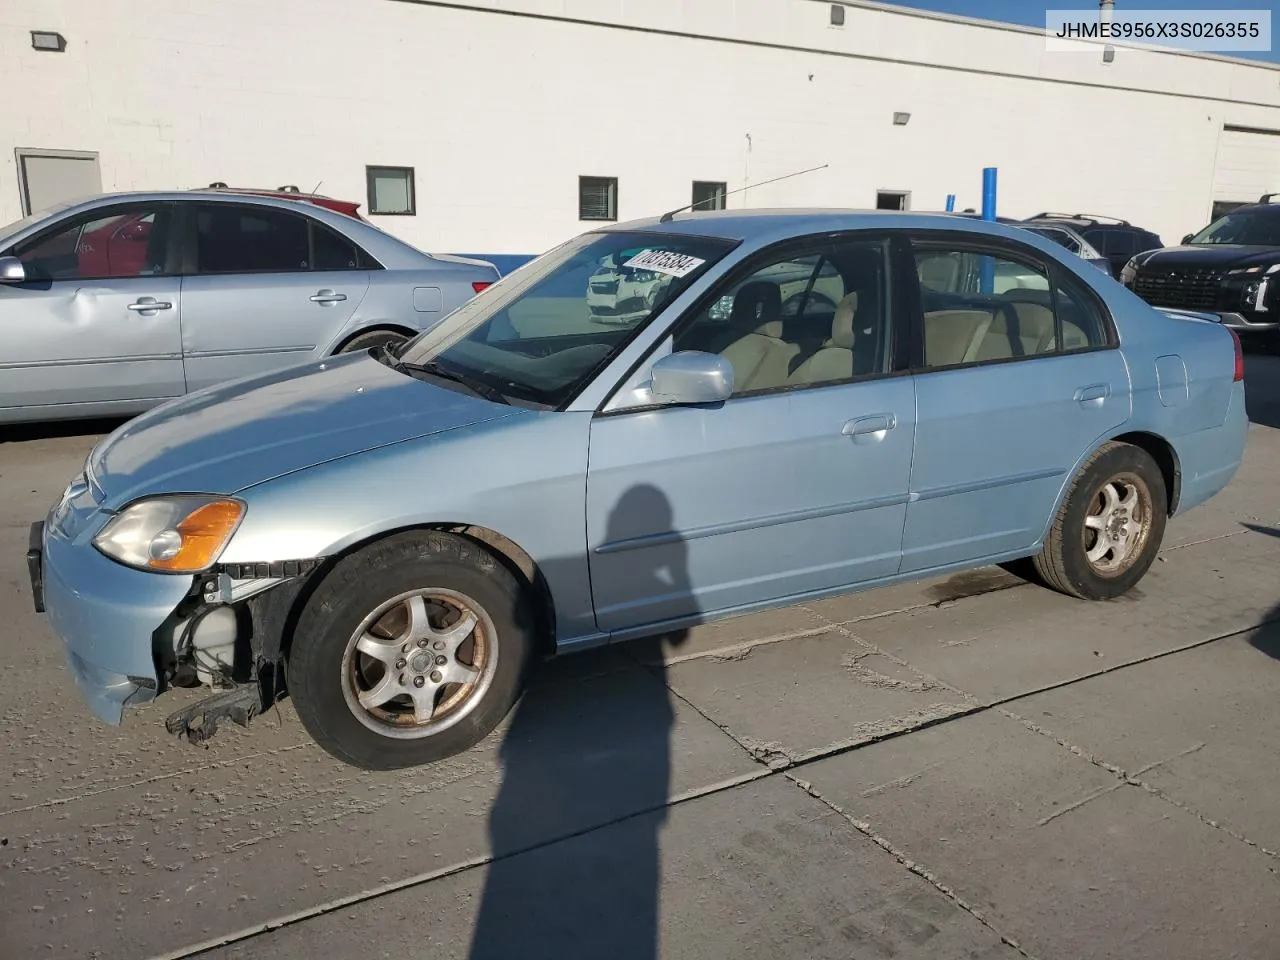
pixel 327 296
pixel 879 423
pixel 1094 394
pixel 149 305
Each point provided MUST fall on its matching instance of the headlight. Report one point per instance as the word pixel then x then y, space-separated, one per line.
pixel 179 534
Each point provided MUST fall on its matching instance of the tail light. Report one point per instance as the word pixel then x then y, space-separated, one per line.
pixel 1238 377
pixel 478 285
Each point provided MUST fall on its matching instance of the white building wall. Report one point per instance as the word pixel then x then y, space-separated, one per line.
pixel 500 105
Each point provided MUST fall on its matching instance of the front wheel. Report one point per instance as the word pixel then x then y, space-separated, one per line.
pixel 1110 526
pixel 410 650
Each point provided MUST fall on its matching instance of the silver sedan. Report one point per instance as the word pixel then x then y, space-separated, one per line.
pixel 114 304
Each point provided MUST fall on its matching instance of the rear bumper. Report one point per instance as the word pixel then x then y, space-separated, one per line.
pixel 1254 325
pixel 105 615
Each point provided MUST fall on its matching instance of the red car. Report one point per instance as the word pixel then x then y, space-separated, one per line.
pixel 292 193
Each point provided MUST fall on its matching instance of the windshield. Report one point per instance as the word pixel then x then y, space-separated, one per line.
pixel 1259 227
pixel 541 332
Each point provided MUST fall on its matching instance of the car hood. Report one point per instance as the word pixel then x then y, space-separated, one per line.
pixel 1211 255
pixel 228 437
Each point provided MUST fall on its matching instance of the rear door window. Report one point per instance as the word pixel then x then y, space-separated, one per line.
pixel 245 239
pixel 332 251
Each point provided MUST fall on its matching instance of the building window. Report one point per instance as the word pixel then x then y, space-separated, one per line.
pixel 391 191
pixel 708 195
pixel 893 200
pixel 597 198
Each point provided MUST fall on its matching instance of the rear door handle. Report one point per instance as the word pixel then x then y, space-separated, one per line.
pixel 1093 394
pixel 149 304
pixel 327 296
pixel 865 426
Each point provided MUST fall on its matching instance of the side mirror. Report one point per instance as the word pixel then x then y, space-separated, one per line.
pixel 12 270
pixel 691 376
pixel 1187 239
pixel 1102 264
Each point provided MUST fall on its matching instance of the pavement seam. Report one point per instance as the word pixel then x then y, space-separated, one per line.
pixel 158 778
pixel 909 864
pixel 780 764
pixel 462 866
pixel 734 651
pixel 1134 779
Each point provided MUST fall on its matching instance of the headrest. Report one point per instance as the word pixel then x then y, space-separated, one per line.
pixel 842 324
pixel 757 308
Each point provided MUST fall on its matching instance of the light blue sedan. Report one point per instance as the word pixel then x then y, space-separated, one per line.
pixel 407 529
pixel 114 304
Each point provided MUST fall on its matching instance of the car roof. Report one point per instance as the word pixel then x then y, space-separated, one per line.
pixel 290 193
pixel 770 224
pixel 392 252
pixel 1270 207
pixel 1084 220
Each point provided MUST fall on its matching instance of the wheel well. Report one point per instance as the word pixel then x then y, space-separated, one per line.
pixel 509 553
pixel 1165 457
pixel 525 570
pixel 377 328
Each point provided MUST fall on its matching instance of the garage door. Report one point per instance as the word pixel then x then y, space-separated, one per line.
pixel 1248 166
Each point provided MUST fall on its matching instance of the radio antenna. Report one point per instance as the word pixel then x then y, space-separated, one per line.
pixel 667 217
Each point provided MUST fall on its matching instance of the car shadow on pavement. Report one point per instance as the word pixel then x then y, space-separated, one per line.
pixel 49 429
pixel 1267 637
pixel 570 769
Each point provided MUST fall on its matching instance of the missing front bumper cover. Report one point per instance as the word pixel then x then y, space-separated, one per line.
pixel 200 721
pixel 273 570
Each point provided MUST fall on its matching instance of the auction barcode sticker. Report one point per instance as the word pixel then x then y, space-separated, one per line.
pixel 664 261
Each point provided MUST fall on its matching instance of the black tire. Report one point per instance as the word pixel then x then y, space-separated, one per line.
pixel 372 338
pixel 1063 564
pixel 359 585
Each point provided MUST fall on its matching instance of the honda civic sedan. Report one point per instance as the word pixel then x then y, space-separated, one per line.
pixel 391 537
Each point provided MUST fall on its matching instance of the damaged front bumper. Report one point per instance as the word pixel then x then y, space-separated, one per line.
pixel 105 616
pixel 129 634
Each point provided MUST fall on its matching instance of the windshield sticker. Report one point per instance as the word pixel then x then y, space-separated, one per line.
pixel 664 261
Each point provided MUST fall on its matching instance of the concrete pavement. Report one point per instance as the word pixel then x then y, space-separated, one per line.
pixel 969 767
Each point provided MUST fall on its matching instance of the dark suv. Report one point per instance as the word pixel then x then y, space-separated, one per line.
pixel 1116 240
pixel 1230 268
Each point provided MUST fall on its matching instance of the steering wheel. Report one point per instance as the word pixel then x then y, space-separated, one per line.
pixel 791 306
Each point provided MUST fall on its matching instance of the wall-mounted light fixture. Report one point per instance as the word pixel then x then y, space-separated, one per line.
pixel 900 118
pixel 837 15
pixel 48 41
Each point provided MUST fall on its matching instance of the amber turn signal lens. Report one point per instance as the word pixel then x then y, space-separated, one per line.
pixel 205 531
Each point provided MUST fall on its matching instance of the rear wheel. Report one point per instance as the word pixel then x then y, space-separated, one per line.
pixel 1109 528
pixel 373 338
pixel 409 651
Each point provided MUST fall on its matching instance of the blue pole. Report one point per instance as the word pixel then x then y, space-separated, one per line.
pixel 988 213
pixel 951 202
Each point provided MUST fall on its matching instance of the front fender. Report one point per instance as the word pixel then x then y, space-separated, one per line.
pixel 523 477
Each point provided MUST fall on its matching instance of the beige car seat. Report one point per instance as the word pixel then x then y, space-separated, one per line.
pixel 761 358
pixel 954 336
pixel 834 361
